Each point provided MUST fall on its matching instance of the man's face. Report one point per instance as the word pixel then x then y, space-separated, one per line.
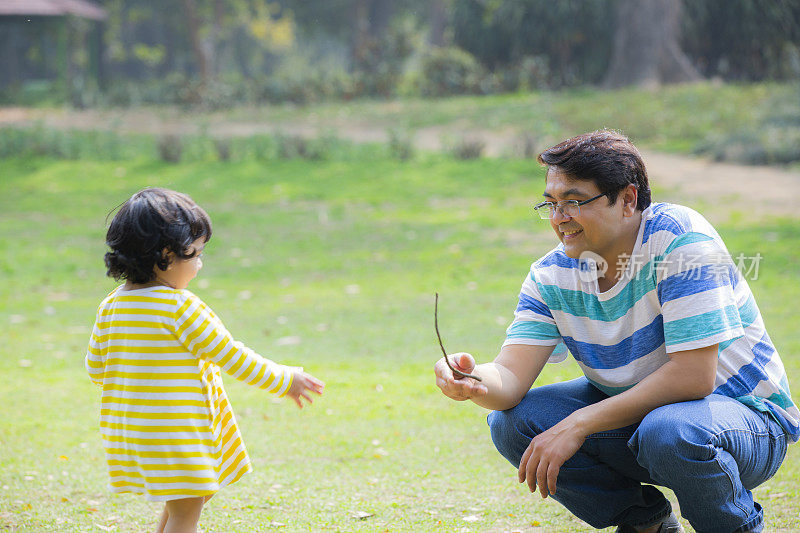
pixel 595 228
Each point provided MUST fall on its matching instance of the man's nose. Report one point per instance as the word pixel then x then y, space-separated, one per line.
pixel 559 216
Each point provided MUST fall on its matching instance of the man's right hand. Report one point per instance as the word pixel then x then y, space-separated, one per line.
pixel 458 389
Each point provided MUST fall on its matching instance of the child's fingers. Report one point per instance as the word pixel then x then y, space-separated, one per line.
pixel 297 401
pixel 319 384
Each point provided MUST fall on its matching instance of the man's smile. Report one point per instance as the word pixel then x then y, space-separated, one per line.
pixel 568 234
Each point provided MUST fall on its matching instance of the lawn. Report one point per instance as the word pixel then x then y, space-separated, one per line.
pixel 328 264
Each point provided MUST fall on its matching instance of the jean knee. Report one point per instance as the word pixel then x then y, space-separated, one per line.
pixel 666 438
pixel 508 434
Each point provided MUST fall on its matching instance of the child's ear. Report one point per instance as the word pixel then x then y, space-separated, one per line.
pixel 168 256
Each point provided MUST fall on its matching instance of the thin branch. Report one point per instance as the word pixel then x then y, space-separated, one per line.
pixel 458 374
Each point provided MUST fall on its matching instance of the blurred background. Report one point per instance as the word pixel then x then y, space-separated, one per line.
pixel 220 53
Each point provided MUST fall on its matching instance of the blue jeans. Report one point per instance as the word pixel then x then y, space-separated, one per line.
pixel 710 452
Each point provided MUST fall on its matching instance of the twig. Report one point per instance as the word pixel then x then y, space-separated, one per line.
pixel 458 374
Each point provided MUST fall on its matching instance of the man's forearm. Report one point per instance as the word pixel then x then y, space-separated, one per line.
pixel 503 387
pixel 510 376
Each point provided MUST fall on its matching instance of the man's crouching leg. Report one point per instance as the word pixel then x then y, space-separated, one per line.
pixel 711 452
pixel 602 483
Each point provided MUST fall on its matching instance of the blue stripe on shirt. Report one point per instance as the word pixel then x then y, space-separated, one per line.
pixel 530 303
pixel 694 281
pixel 643 341
pixel 668 223
pixel 557 258
pixel 749 376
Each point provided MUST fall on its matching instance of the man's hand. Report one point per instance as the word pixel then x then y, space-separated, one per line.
pixel 302 384
pixel 546 453
pixel 458 389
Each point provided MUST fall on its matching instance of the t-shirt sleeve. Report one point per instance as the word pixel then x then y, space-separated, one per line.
pixel 204 335
pixel 533 322
pixel 94 355
pixel 696 278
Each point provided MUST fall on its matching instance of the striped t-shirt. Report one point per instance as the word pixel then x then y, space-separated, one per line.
pixel 167 426
pixel 681 290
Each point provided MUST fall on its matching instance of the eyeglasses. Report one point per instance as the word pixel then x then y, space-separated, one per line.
pixel 569 208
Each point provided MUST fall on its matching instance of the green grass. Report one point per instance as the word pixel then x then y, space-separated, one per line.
pixel 344 254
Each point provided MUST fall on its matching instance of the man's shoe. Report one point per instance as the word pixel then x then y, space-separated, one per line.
pixel 669 525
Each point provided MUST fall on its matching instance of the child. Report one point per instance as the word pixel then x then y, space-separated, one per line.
pixel 156 349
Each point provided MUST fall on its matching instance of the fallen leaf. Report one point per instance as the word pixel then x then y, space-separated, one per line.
pixel 352 289
pixel 288 341
pixel 380 452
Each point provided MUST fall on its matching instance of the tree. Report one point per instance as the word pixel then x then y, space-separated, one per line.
pixel 646 45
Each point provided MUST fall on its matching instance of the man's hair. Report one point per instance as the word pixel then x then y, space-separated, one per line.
pixel 605 157
pixel 150 221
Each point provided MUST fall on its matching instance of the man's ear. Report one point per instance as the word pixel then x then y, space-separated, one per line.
pixel 630 197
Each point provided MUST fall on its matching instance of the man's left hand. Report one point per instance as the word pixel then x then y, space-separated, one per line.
pixel 546 453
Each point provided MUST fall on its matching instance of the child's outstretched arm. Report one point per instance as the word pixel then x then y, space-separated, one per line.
pixel 204 335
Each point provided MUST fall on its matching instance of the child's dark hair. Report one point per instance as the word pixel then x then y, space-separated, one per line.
pixel 150 221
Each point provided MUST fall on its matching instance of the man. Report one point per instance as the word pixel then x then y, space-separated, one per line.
pixel 682 386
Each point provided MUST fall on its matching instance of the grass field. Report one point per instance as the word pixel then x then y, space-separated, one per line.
pixel 331 265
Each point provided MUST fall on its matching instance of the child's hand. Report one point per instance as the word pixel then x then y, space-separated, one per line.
pixel 302 384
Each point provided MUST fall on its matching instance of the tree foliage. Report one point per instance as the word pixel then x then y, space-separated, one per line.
pixel 744 39
pixel 220 52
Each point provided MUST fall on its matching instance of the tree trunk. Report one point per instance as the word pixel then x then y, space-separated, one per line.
pixel 193 22
pixel 646 50
pixel 438 18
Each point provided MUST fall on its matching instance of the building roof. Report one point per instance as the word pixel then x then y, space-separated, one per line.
pixel 52 8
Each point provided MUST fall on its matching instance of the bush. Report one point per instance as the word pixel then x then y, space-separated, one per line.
pixel 67 144
pixel 449 70
pixel 401 145
pixel 170 148
pixel 467 148
pixel 223 149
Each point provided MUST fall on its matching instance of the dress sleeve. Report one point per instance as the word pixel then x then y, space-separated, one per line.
pixel 94 356
pixel 696 278
pixel 204 335
pixel 533 322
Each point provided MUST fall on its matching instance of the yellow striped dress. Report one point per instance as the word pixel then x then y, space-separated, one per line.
pixel 166 423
